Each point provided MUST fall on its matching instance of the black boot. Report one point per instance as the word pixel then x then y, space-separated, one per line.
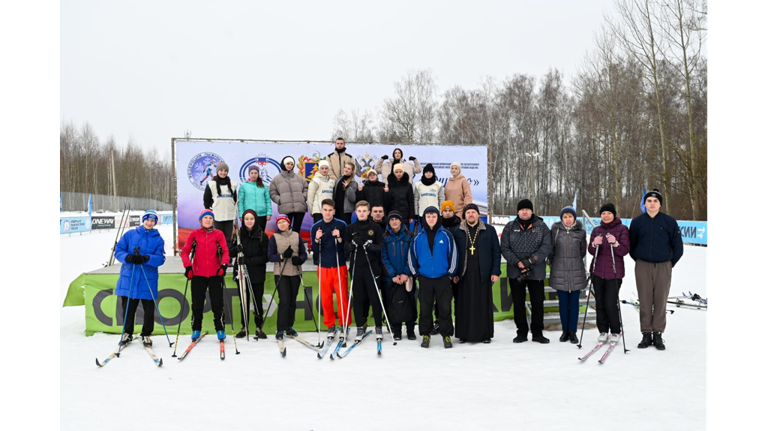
pixel 658 341
pixel 411 334
pixel 646 341
pixel 572 336
pixel 241 334
pixel 564 337
pixel 540 339
pixel 520 339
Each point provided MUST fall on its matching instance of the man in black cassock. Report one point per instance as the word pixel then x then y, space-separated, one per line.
pixel 479 268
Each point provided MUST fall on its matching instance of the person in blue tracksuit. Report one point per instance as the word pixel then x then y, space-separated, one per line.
pixel 141 251
pixel 433 259
pixel 397 242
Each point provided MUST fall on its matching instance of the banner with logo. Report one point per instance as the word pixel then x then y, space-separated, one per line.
pixel 74 224
pixel 196 165
pixel 101 222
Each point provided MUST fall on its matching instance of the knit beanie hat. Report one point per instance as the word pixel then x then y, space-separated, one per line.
pixel 222 165
pixel 248 211
pixel 431 209
pixel 150 214
pixel 655 193
pixel 525 204
pixel 371 171
pixel 394 214
pixel 252 168
pixel 447 204
pixel 569 209
pixel 287 159
pixel 609 207
pixel 324 163
pixel 282 217
pixel 457 164
pixel 204 213
pixel 471 206
pixel 398 166
pixel 429 168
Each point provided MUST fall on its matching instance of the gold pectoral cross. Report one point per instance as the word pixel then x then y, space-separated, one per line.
pixel 472 249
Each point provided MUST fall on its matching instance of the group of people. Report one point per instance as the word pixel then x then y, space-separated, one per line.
pixel 450 259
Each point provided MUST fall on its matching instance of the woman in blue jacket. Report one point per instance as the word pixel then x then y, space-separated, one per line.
pixel 141 251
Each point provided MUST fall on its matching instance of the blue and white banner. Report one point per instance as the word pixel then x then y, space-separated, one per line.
pixel 74 224
pixel 693 232
pixel 196 165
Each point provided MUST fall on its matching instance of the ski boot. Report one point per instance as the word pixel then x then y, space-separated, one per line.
pixel 447 342
pixel 603 337
pixel 360 333
pixel 195 335
pixel 425 341
pixel 279 336
pixel 331 332
pixel 614 338
pixel 379 333
pixel 261 335
pixel 221 335
pixel 241 334
pixel 146 341
pixel 127 338
pixel 291 332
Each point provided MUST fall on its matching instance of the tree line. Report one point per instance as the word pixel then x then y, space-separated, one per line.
pixel 633 117
pixel 86 166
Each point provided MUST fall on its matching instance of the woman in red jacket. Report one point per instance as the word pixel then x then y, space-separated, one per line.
pixel 205 256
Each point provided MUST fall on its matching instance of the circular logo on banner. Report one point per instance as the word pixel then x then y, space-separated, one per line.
pixel 202 168
pixel 66 225
pixel 262 162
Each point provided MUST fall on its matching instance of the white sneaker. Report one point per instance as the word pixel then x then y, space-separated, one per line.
pixel 614 338
pixel 360 333
pixel 603 337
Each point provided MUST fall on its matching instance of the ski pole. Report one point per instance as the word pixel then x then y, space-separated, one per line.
pixel 319 285
pixel 349 296
pixel 157 306
pixel 229 309
pixel 591 284
pixel 181 315
pixel 277 283
pixel 378 293
pixel 125 318
pixel 616 282
pixel 256 312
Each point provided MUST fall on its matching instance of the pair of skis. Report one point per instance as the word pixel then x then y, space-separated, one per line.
pixel 284 350
pixel 116 354
pixel 194 343
pixel 336 351
pixel 599 346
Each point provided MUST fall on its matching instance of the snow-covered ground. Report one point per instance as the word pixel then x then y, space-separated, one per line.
pixel 470 387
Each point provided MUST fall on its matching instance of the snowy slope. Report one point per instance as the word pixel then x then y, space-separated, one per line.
pixel 498 386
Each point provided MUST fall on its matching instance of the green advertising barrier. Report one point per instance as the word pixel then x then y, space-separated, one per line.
pixel 103 313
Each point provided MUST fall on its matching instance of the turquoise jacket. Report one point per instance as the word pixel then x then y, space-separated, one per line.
pixel 253 197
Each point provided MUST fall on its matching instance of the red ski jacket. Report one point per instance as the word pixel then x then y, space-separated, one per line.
pixel 206 258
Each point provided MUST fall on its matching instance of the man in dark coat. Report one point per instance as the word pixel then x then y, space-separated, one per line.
pixel 479 267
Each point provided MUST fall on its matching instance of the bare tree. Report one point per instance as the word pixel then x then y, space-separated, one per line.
pixel 411 114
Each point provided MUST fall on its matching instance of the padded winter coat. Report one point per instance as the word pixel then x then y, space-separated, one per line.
pixel 253 197
pixel 320 188
pixel 373 193
pixel 255 245
pixel 395 251
pixel 566 260
pixel 278 244
pixel 337 161
pixel 603 263
pixel 400 197
pixel 457 190
pixel 533 244
pixel 442 260
pixel 410 167
pixel 289 192
pixel 132 282
pixel 206 261
pixel 655 239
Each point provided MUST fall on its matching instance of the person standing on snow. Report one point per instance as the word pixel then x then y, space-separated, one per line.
pixel 345 193
pixel 253 244
pixel 287 251
pixel 397 242
pixel 139 248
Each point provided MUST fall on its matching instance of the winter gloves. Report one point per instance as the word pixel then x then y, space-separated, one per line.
pixel 288 252
pixel 222 270
pixel 296 260
pixel 188 273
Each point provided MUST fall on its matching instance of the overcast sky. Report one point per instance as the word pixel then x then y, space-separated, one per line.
pixel 281 70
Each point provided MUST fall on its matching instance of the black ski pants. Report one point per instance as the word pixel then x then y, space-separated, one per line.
pixel 149 314
pixel 364 297
pixel 536 290
pixel 607 304
pixel 435 291
pixel 258 312
pixel 287 291
pixel 226 227
pixel 296 219
pixel 214 287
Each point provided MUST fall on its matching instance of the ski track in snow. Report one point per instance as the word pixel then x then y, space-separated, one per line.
pixel 502 385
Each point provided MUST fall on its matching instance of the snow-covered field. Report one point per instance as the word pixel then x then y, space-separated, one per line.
pixel 470 387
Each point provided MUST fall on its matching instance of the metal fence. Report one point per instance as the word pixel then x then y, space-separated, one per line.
pixel 71 201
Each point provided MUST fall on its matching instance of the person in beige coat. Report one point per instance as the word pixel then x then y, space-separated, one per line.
pixel 457 189
pixel 384 166
pixel 337 159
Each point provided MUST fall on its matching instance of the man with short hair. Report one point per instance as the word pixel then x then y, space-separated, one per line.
pixel 338 158
pixel 397 242
pixel 345 193
pixel 377 215
pixel 656 245
pixel 525 244
pixel 362 244
pixel 328 254
pixel 479 268
pixel 433 259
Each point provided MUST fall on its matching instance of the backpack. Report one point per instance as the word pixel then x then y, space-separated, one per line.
pixel 400 307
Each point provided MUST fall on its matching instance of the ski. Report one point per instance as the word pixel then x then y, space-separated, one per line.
pixel 307 343
pixel 378 347
pixel 592 352
pixel 114 354
pixel 281 345
pixel 695 297
pixel 324 350
pixel 346 352
pixel 341 343
pixel 680 303
pixel 221 349
pixel 158 361
pixel 194 343
pixel 610 349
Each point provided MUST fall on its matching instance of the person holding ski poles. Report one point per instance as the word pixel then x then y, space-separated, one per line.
pixel 141 246
pixel 253 244
pixel 328 255
pixel 567 274
pixel 362 244
pixel 206 272
pixel 286 249
pixel 607 281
